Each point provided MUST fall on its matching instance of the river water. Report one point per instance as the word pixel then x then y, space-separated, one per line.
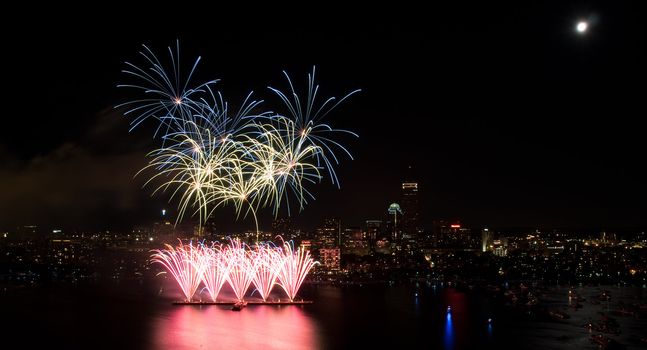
pixel 121 316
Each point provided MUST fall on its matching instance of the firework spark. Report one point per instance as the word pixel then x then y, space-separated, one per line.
pixel 266 269
pixel 308 116
pixel 215 272
pixel 236 265
pixel 294 268
pixel 185 263
pixel 212 157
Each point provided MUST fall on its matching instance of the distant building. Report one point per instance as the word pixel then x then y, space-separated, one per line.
pixel 282 227
pixel 354 234
pixel 306 244
pixel 330 258
pixel 453 235
pixel 382 246
pixel 27 231
pixel 355 241
pixel 394 221
pixel 330 234
pixel 410 208
pixel 486 238
pixel 373 231
pixel 500 246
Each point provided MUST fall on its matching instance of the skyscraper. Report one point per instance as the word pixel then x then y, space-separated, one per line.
pixel 410 206
pixel 394 221
pixel 330 258
pixel 486 238
pixel 374 230
pixel 331 232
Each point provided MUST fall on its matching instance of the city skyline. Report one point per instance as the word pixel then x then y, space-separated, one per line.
pixel 528 127
pixel 448 176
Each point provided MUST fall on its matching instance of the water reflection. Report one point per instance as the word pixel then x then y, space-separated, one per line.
pixel 449 331
pixel 217 327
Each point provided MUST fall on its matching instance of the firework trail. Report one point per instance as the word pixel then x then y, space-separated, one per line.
pixel 213 155
pixel 308 115
pixel 265 260
pixel 169 98
pixel 236 265
pixel 241 268
pixel 185 264
pixel 282 163
pixel 294 268
pixel 215 272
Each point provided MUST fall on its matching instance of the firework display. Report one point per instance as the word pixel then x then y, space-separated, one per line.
pixel 250 158
pixel 213 156
pixel 236 265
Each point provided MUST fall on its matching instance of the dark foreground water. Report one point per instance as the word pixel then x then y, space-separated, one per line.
pixel 138 317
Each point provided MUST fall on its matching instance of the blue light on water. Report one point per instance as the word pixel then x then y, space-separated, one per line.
pixel 449 332
pixel 489 328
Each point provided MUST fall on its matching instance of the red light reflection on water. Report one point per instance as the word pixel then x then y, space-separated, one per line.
pixel 456 325
pixel 217 327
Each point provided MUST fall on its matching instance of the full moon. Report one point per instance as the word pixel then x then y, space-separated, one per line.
pixel 582 26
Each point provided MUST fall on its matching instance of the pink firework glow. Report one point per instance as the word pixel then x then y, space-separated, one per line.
pixel 238 265
pixel 241 267
pixel 293 268
pixel 267 260
pixel 185 263
pixel 215 272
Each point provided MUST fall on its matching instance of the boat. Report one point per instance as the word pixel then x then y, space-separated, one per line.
pixel 604 296
pixel 556 314
pixel 239 306
pixel 532 301
pixel 601 340
pixel 625 312
pixel 602 328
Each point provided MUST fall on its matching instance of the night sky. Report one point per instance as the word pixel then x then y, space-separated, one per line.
pixel 507 115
